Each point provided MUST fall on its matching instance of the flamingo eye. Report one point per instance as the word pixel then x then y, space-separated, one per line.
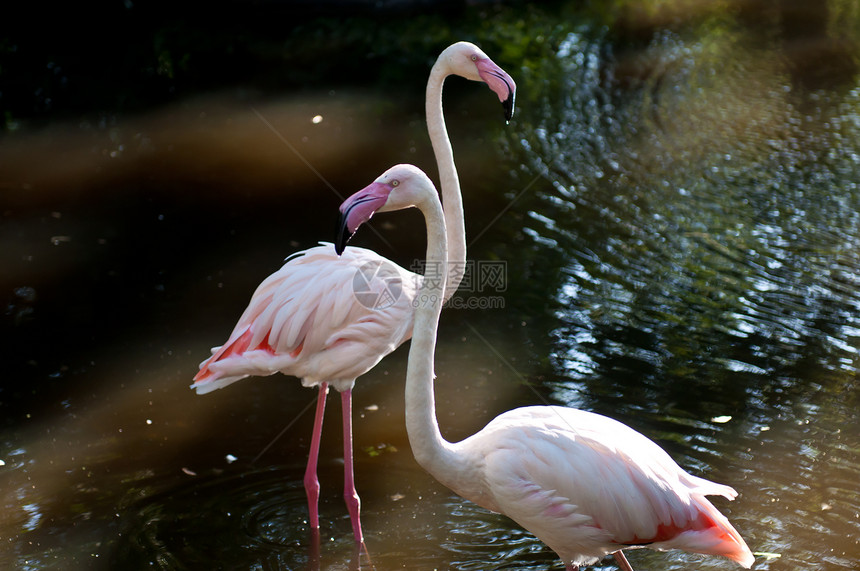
pixel 474 57
pixel 395 182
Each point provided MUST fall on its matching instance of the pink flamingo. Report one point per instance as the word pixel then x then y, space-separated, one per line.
pixel 584 484
pixel 306 320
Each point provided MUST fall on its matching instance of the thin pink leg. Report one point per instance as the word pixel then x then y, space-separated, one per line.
pixel 350 496
pixel 623 564
pixel 312 483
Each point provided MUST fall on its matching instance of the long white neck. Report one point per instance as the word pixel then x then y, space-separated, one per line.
pixel 452 199
pixel 428 446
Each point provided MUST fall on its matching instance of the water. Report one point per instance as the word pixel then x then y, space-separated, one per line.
pixel 674 206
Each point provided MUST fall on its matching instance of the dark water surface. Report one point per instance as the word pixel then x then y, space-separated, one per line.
pixel 674 206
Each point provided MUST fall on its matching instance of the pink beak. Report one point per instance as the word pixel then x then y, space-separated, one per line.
pixel 500 82
pixel 358 209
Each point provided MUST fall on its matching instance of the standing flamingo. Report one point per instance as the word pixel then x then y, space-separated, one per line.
pixel 584 484
pixel 306 320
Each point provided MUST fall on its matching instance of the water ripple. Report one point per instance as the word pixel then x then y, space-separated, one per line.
pixel 206 518
pixel 706 212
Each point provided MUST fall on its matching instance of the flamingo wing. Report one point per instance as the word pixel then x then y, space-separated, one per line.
pixel 320 317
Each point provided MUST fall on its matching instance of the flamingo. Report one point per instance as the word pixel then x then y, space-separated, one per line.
pixel 584 484
pixel 305 320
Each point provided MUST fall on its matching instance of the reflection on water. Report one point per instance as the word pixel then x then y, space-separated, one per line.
pixel 680 222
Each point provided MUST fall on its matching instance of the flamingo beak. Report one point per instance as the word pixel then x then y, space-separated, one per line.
pixel 358 209
pixel 500 82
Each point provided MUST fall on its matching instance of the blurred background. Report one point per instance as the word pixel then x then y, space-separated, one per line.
pixel 674 206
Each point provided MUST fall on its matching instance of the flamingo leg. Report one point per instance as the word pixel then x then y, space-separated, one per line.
pixel 621 559
pixel 350 495
pixel 312 483
pixel 314 550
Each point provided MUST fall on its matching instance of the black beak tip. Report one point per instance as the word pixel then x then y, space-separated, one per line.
pixel 508 106
pixel 343 235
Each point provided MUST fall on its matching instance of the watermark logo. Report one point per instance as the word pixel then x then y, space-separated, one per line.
pixel 479 279
pixel 478 276
pixel 377 285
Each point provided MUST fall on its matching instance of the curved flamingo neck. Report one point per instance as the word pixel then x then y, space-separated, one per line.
pixel 452 199
pixel 432 451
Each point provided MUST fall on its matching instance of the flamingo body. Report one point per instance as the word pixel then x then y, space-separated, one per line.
pixel 588 485
pixel 584 484
pixel 306 320
pixel 326 319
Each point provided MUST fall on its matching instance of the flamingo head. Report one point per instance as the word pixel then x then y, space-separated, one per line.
pixel 401 186
pixel 468 60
